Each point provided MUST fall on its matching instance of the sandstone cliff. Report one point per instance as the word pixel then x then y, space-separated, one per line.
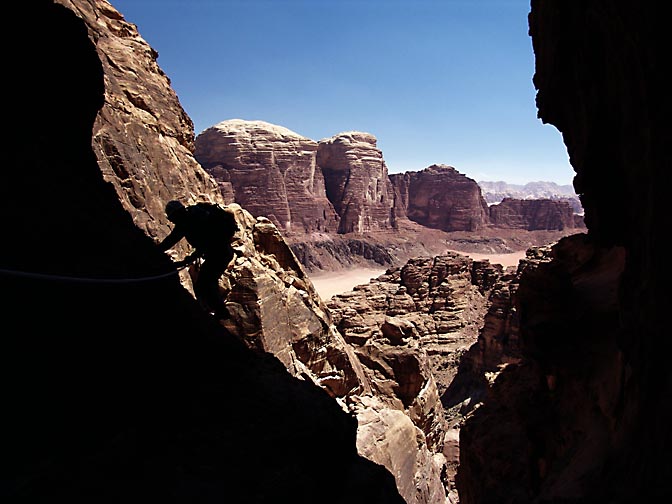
pixel 535 214
pixel 357 181
pixel 271 171
pixel 336 204
pixel 440 197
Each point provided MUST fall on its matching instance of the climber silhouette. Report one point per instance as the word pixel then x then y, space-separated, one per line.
pixel 208 228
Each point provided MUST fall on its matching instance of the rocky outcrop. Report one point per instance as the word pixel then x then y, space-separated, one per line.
pixel 270 171
pixel 537 214
pixel 409 328
pixel 549 386
pixel 357 182
pixel 443 299
pixel 583 417
pixel 442 198
pixel 275 309
pixel 140 104
pixel 498 343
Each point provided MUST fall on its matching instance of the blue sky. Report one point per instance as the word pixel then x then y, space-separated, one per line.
pixel 436 81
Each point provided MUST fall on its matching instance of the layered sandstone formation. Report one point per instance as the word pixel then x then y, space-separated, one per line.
pixel 498 344
pixel 409 328
pixel 584 416
pixel 537 214
pixel 441 197
pixel 357 182
pixel 320 195
pixel 275 309
pixel 336 253
pixel 139 103
pixel 270 171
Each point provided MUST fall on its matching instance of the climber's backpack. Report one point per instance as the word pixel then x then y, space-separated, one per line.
pixel 214 216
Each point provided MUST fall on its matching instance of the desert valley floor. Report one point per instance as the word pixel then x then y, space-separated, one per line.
pixel 329 284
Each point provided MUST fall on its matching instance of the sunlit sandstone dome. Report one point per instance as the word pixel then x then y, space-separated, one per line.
pixel 339 184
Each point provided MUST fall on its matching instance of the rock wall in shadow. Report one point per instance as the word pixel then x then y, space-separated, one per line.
pixel 584 416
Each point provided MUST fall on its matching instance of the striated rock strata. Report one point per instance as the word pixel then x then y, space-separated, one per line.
pixel 440 197
pixel 270 171
pixel 533 215
pixel 357 182
pixel 409 328
pixel 321 255
pixel 249 159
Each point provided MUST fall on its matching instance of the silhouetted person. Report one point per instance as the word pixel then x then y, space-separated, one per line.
pixel 209 229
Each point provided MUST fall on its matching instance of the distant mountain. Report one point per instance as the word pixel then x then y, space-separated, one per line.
pixel 495 192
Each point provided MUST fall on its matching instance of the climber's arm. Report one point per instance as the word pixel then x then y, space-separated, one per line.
pixel 171 240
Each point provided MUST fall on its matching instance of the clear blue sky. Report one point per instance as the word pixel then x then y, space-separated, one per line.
pixel 436 81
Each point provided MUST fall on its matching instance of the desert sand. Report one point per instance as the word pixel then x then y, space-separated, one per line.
pixel 329 284
pixel 337 282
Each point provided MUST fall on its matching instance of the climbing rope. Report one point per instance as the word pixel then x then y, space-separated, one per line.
pixel 71 279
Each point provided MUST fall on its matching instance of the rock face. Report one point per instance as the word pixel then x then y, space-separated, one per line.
pixel 140 104
pixel 409 328
pixel 274 309
pixel 320 255
pixel 584 416
pixel 442 298
pixel 498 343
pixel 142 393
pixel 533 215
pixel 357 182
pixel 440 197
pixel 546 342
pixel 270 171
